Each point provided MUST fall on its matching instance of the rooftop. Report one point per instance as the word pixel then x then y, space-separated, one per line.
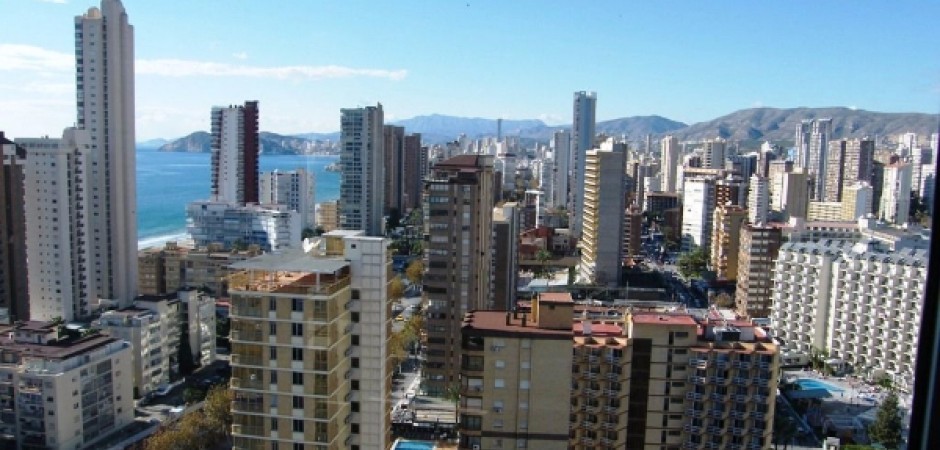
pixel 292 261
pixel 555 297
pixel 504 323
pixel 59 350
pixel 663 319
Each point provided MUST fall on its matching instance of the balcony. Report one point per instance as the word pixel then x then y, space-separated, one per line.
pixel 695 396
pixel 246 360
pixel 698 380
pixel 692 429
pixel 250 406
pixel 247 383
pixel 247 335
pixel 698 363
pixel 697 413
pixel 245 430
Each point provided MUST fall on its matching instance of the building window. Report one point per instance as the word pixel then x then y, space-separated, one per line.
pixel 274 424
pixel 298 426
pixel 272 328
pixel 297 354
pixel 296 329
pixel 355 339
pixel 272 304
pixel 499 383
pixel 355 363
pixel 297 305
pixel 272 352
pixel 297 378
pixel 298 403
pixel 354 406
pixel 273 377
pixel 355 317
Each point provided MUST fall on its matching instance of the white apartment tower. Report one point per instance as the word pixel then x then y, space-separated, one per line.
pixel 601 242
pixel 669 162
pixel 295 189
pixel 582 140
pixel 714 153
pixel 818 157
pixel 58 228
pixel 561 154
pixel 104 69
pixel 698 208
pixel 758 200
pixel 362 193
pixel 896 194
pixel 235 149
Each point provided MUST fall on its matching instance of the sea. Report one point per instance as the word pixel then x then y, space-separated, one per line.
pixel 167 181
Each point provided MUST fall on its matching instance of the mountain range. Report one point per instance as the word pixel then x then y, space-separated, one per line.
pixel 749 126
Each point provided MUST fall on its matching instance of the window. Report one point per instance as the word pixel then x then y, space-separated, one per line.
pixel 354 406
pixel 355 339
pixel 354 317
pixel 297 305
pixel 297 354
pixel 272 328
pixel 272 304
pixel 298 426
pixel 500 364
pixel 355 363
pixel 499 383
pixel 274 424
pixel 524 384
pixel 296 329
pixel 272 352
pixel 298 402
pixel 297 378
pixel 273 377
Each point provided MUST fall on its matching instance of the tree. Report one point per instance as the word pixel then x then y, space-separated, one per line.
pixel 543 256
pixel 218 410
pixel 784 430
pixel 415 271
pixel 396 289
pixel 887 427
pixel 209 428
pixel 394 219
pixel 239 245
pixel 193 395
pixel 452 393
pixel 724 300
pixel 693 264
pixel 307 233
pixel 818 357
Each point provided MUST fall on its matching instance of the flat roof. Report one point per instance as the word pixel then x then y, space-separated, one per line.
pixel 555 297
pixel 62 350
pixel 291 261
pixel 494 323
pixel 664 319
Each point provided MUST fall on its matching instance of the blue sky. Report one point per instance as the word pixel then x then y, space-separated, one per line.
pixel 303 60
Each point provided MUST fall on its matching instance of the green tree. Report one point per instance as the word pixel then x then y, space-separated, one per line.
pixel 452 393
pixel 396 289
pixel 185 354
pixel 394 219
pixel 724 300
pixel 693 264
pixel 784 430
pixel 543 257
pixel 218 410
pixel 193 395
pixel 308 233
pixel 887 427
pixel 415 271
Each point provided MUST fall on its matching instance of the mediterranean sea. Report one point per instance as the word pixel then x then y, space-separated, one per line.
pixel 167 181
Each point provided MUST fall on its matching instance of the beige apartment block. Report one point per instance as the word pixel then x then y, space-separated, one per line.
pixel 726 232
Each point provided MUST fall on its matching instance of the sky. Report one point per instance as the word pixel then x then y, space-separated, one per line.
pixel 304 60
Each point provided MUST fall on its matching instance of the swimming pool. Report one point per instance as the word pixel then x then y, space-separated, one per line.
pixel 809 383
pixel 413 445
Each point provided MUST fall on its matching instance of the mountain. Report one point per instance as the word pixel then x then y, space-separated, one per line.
pixel 153 143
pixel 271 144
pixel 635 128
pixel 333 137
pixel 775 124
pixel 441 128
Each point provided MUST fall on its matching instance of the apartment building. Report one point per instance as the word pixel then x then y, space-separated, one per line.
pixel 14 293
pixel 698 208
pixel 505 264
pixel 172 268
pixel 271 227
pixel 651 380
pixel 197 313
pixel 824 212
pixel 758 246
pixel 362 158
pixel 602 224
pixel 294 188
pixel 726 234
pixel 235 148
pixel 310 362
pixel 849 296
pixel 61 389
pixel 458 212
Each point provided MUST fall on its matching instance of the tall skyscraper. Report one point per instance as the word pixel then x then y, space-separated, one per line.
pixel 856 201
pixel 414 169
pixel 803 130
pixel 59 251
pixel 758 199
pixel 759 245
pixel 714 153
pixel 896 194
pixel 859 161
pixel 669 162
pixel 582 140
pixel 294 189
pixel 698 208
pixel 362 156
pixel 504 268
pixel 235 149
pixel 394 145
pixel 818 146
pixel 601 241
pixel 458 208
pixel 561 155
pixel 14 293
pixel 104 74
pixel 835 169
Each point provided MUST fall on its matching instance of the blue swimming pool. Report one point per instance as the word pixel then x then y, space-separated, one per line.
pixel 809 383
pixel 414 445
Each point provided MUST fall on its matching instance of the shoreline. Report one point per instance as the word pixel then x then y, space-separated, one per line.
pixel 159 240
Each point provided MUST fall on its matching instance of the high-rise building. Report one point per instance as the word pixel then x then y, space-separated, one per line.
pixel 803 130
pixel 698 208
pixel 791 198
pixel 62 390
pixel 328 215
pixel 896 194
pixel 859 159
pixel 414 169
pixel 601 241
pixel 104 73
pixel 669 163
pixel 561 173
pixel 731 190
pixel 59 251
pixel 847 296
pixel 856 201
pixel 173 268
pixel 394 148
pixel 362 157
pixel 14 287
pixel 725 240
pixel 920 157
pixel 714 153
pixel 835 169
pixel 757 254
pixel 582 140
pixel 271 227
pixel 632 231
pixel 818 146
pixel 616 392
pixel 235 148
pixel 458 208
pixel 758 200
pixel 310 358
pixel 824 212
pixel 295 189
pixel 505 265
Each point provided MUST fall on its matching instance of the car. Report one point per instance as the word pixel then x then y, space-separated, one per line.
pixel 163 390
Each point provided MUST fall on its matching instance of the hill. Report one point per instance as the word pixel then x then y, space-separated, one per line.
pixel 271 144
pixel 774 124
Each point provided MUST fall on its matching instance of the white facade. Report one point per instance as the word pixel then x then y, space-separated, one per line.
pixel 296 189
pixel 198 311
pixel 58 231
pixel 362 156
pixel 272 227
pixel 896 194
pixel 561 172
pixel 758 200
pixel 104 48
pixel 63 394
pixel 714 154
pixel 154 340
pixel 856 201
pixel 582 140
pixel 669 162
pixel 698 206
pixel 230 152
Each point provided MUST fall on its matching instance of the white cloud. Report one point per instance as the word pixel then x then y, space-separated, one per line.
pixel 28 57
pixel 58 2
pixel 188 68
pixel 240 55
pixel 551 119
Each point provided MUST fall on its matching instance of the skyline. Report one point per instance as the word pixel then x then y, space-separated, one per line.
pixel 517 61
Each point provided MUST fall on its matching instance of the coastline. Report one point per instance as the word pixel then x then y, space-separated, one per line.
pixel 158 241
